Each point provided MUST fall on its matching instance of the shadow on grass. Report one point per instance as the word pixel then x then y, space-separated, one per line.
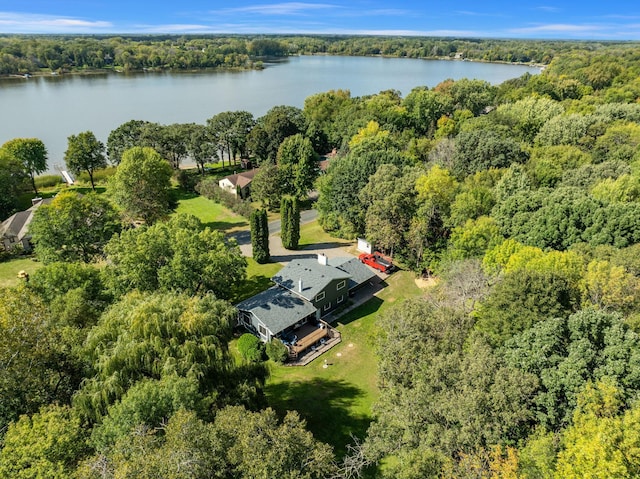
pixel 180 195
pixel 326 245
pixel 252 286
pixel 324 404
pixel 291 257
pixel 370 307
pixel 225 226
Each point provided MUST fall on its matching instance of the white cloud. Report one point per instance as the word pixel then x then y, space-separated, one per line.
pixel 558 28
pixel 288 8
pixel 16 22
pixel 469 13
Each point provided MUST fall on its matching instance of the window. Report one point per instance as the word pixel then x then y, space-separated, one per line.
pixel 340 299
pixel 342 284
pixel 327 306
pixel 320 296
pixel 263 331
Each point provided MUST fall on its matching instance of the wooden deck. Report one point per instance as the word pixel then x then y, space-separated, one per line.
pixel 307 336
pixel 312 342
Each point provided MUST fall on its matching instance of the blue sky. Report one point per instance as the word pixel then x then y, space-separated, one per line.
pixel 587 19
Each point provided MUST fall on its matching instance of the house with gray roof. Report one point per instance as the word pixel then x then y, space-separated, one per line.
pixel 305 291
pixel 14 230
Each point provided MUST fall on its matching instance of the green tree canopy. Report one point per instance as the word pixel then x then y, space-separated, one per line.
pixel 47 444
pixel 267 186
pixel 74 227
pixel 298 165
pixel 566 353
pixel 524 297
pixel 439 393
pixel 238 443
pixel 32 153
pixel 142 184
pixel 260 236
pixel 34 371
pixel 290 222
pixel 85 153
pixel 153 335
pixel 12 177
pixel 126 136
pixel 176 255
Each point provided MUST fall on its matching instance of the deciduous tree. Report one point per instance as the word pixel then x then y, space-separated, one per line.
pixel 298 165
pixel 32 153
pixel 141 185
pixel 85 153
pixel 12 176
pixel 73 227
pixel 177 255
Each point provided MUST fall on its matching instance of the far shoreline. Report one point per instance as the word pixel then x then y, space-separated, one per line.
pixel 258 66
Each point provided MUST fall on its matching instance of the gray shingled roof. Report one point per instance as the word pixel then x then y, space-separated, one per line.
pixel 277 308
pixel 315 276
pixel 360 273
pixel 16 226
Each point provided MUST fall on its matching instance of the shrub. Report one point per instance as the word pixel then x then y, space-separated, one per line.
pixel 250 347
pixel 276 351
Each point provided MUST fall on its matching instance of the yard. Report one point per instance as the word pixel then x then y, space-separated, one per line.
pixel 9 270
pixel 212 214
pixel 336 401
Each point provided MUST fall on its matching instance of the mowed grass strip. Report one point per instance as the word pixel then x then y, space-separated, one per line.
pixel 312 234
pixel 9 270
pixel 336 401
pixel 212 214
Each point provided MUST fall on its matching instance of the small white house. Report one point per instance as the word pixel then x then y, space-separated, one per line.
pixel 238 184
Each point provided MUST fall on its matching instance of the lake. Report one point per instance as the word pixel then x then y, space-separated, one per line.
pixel 52 108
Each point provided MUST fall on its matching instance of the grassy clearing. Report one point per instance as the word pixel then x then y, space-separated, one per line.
pixel 212 214
pixel 258 279
pixel 9 270
pixel 312 234
pixel 336 402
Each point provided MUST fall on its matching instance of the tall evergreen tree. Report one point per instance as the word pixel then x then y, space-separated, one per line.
pixel 260 236
pixel 290 222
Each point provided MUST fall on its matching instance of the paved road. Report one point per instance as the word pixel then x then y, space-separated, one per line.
pixel 282 255
pixel 244 237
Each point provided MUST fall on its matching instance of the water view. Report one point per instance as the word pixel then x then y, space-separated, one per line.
pixel 52 108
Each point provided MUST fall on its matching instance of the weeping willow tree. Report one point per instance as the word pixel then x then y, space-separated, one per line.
pixel 152 336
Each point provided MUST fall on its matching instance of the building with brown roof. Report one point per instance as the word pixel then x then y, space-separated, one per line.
pixel 238 184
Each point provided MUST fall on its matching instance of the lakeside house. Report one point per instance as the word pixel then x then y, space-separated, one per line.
pixel 305 291
pixel 14 231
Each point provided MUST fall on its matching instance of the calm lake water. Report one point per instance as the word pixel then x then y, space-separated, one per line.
pixel 52 108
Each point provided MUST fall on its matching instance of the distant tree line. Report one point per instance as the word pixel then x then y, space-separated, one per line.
pixel 20 54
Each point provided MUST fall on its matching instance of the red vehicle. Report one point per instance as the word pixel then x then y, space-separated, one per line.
pixel 378 261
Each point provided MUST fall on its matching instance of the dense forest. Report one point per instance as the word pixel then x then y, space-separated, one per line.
pixel 21 55
pixel 522 200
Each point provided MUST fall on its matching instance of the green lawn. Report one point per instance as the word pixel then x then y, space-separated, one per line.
pixel 212 214
pixel 258 279
pixel 336 401
pixel 9 270
pixel 313 234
